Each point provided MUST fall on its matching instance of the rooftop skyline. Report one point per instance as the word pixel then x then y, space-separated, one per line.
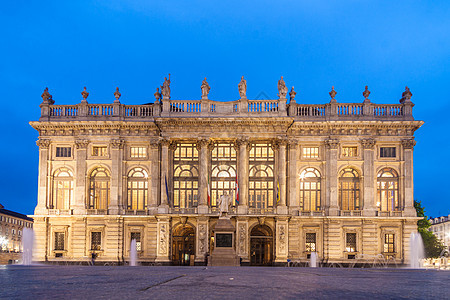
pixel 134 45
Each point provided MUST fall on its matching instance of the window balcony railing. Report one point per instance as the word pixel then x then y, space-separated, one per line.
pixel 317 213
pixel 261 211
pixel 97 211
pixel 136 212
pixel 180 210
pixel 57 212
pixel 350 213
pixel 389 213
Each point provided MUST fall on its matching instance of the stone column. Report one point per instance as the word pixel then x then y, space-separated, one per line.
pixel 332 146
pixel 408 183
pixel 154 176
pixel 368 199
pixel 163 240
pixel 164 205
pixel 116 201
pixel 281 206
pixel 242 239
pixel 282 245
pixel 202 147
pixel 41 207
pixel 202 239
pixel 243 175
pixel 79 205
pixel 293 178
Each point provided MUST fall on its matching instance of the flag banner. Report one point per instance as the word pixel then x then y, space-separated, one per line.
pixel 236 188
pixel 167 190
pixel 209 192
pixel 278 192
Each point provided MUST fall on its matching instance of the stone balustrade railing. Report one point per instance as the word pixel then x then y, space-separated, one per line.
pixel 239 108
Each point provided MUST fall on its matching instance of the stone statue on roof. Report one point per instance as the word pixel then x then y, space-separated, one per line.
pixel 205 89
pixel 282 89
pixel 243 88
pixel 165 88
pixel 46 97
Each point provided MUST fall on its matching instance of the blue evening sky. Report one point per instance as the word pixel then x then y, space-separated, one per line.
pixel 67 45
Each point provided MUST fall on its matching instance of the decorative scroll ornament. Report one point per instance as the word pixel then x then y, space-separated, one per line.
pixel 47 98
pixel 408 144
pixel 332 93
pixel 117 143
pixel 282 89
pixel 332 143
pixel 85 94
pixel 43 143
pixel 242 238
pixel 117 94
pixel 81 144
pixel 292 94
pixel 368 143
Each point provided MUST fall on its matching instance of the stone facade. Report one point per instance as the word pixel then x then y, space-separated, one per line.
pixel 440 226
pixel 336 179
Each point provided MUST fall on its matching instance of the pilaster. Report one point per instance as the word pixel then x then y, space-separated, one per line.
pixel 242 236
pixel 202 239
pixel 408 147
pixel 163 239
pixel 164 205
pixel 154 177
pixel 115 204
pixel 332 146
pixel 281 205
pixel 243 146
pixel 79 205
pixel 369 207
pixel 202 147
pixel 41 207
pixel 292 200
pixel 282 246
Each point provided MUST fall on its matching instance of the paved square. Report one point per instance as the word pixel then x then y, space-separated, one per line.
pixel 87 282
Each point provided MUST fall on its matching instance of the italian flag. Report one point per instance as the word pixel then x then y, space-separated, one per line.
pixel 209 193
pixel 237 191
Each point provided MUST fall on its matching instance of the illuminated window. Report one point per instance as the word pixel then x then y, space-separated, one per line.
pixel 310 152
pixel 310 242
pixel 62 189
pixel 387 151
pixel 99 151
pixel 349 189
pixel 389 243
pixel 310 190
pixel 261 178
pixel 387 190
pixel 137 189
pixel 350 242
pixel 59 240
pixel 349 151
pixel 185 176
pixel 223 172
pixel 138 152
pixel 63 151
pixel 99 189
pixel 96 240
pixel 137 236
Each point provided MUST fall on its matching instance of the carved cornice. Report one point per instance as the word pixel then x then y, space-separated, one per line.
pixel 408 143
pixel 368 143
pixel 332 144
pixel 81 143
pixel 117 143
pixel 43 143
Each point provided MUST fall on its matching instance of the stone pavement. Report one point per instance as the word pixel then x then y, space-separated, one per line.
pixel 124 282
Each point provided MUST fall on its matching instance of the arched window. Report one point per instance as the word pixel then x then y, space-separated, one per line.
pixel 99 189
pixel 62 189
pixel 349 189
pixel 223 172
pixel 310 190
pixel 387 190
pixel 261 178
pixel 137 189
pixel 185 175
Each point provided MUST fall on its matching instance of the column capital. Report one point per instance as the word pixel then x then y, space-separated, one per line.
pixel 243 141
pixel 81 143
pixel 292 143
pixel 43 143
pixel 332 143
pixel 368 143
pixel 164 142
pixel 408 143
pixel 202 142
pixel 117 143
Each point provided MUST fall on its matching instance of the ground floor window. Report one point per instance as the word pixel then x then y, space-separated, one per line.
pixel 137 236
pixel 350 242
pixel 96 240
pixel 59 240
pixel 389 243
pixel 311 242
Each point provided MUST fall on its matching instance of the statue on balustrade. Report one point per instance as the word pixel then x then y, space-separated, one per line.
pixel 282 89
pixel 224 204
pixel 243 88
pixel 165 88
pixel 205 89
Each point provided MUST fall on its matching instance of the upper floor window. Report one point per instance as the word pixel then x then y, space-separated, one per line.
pixel 350 151
pixel 99 189
pixel 310 152
pixel 185 175
pixel 349 189
pixel 99 151
pixel 387 152
pixel 310 190
pixel 62 189
pixel 138 152
pixel 63 151
pixel 223 172
pixel 387 190
pixel 137 189
pixel 261 176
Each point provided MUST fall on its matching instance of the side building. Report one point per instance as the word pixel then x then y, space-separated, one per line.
pixel 440 226
pixel 11 233
pixel 336 179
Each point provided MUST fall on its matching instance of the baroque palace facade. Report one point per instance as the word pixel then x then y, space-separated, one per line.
pixel 335 179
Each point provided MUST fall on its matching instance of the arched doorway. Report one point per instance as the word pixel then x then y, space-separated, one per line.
pixel 261 246
pixel 183 245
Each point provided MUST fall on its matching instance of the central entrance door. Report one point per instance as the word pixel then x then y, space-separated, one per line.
pixel 261 246
pixel 183 245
